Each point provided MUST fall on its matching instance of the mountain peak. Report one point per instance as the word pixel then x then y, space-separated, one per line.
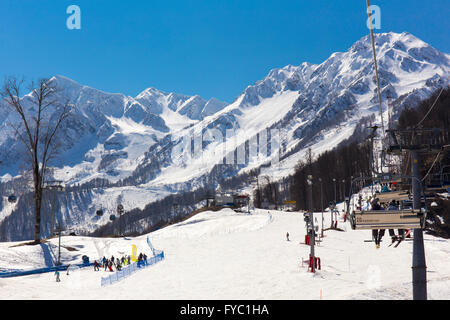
pixel 64 82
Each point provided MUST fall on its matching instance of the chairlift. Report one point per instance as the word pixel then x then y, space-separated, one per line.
pixel 112 217
pixel 405 218
pixel 12 199
pixel 99 212
pixel 438 181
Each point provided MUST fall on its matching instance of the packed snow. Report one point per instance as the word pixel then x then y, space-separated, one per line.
pixel 231 255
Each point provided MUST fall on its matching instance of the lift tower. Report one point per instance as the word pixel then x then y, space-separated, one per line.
pixel 417 142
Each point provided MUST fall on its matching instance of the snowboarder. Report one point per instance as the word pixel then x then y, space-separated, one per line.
pixel 287 236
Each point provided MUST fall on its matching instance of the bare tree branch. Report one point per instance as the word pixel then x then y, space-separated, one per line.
pixel 40 129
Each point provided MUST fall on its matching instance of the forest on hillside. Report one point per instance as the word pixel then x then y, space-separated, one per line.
pixel 333 170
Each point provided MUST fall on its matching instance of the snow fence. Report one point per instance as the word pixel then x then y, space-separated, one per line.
pixel 132 268
pixel 18 273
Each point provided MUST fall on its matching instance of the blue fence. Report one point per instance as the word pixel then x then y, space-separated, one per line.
pixel 18 273
pixel 132 268
pixel 158 256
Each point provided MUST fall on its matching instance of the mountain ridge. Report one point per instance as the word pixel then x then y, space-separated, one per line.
pixel 311 105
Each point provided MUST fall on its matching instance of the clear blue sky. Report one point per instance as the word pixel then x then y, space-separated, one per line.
pixel 214 48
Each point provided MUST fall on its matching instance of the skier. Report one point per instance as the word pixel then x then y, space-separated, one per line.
pixel 401 232
pixel 287 236
pixel 377 235
pixel 145 259
pixel 139 260
pixel 110 266
pixel 393 206
pixel 96 268
pixel 57 276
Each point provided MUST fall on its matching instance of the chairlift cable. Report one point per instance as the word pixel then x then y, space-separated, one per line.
pixel 407 165
pixel 432 166
pixel 369 12
pixel 417 125
pixel 434 162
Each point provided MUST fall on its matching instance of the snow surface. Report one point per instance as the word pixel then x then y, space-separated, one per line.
pixel 229 255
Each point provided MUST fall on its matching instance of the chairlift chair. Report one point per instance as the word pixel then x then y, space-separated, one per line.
pixel 386 219
pixel 99 212
pixel 112 217
pixel 437 181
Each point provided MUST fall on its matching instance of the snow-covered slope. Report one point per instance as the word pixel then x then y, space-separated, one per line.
pixel 234 256
pixel 143 142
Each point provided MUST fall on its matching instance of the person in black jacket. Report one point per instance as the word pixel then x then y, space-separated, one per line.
pixel 377 235
pixel 144 256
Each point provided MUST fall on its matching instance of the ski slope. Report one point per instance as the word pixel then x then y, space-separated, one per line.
pixel 229 255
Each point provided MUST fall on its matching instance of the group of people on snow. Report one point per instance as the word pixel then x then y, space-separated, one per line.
pixel 117 263
pixel 109 264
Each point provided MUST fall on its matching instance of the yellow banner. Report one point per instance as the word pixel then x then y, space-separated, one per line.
pixel 133 253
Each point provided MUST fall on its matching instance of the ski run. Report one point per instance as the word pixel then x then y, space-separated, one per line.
pixel 231 255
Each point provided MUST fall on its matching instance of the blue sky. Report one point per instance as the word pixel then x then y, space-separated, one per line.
pixel 214 48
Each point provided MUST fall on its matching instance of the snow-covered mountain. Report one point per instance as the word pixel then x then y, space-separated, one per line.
pixel 161 143
pixel 104 127
pixel 314 105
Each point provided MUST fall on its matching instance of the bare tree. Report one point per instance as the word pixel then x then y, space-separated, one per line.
pixel 41 114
